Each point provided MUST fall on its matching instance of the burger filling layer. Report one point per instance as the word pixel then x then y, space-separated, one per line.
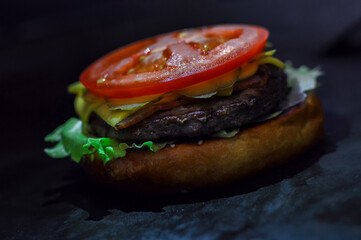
pixel 108 130
pixel 250 99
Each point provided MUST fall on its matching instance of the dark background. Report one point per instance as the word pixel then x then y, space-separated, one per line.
pixel 45 45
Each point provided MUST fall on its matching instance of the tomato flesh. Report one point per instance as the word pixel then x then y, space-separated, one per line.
pixel 173 61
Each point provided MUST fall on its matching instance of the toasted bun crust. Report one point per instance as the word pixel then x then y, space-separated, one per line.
pixel 215 162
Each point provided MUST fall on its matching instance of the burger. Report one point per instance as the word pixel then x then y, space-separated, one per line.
pixel 190 109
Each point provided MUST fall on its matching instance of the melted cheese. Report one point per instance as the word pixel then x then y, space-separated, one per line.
pixel 112 117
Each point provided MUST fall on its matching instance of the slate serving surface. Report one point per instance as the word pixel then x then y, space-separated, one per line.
pixel 317 196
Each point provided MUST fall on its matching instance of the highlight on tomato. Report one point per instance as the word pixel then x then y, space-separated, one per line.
pixel 173 61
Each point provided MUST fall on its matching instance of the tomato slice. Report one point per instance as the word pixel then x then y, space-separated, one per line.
pixel 173 61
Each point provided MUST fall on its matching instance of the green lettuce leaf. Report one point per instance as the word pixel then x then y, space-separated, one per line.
pixel 303 77
pixel 58 151
pixel 129 107
pixel 225 134
pixel 206 95
pixel 300 80
pixel 72 142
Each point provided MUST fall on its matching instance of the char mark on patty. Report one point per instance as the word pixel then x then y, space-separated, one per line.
pixel 205 116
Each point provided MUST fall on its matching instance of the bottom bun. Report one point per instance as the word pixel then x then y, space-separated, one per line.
pixel 217 161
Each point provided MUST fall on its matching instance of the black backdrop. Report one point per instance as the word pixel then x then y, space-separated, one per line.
pixel 45 45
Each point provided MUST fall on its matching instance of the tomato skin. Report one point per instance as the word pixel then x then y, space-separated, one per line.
pixel 185 64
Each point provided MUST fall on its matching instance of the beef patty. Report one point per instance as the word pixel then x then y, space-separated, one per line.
pixel 204 116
